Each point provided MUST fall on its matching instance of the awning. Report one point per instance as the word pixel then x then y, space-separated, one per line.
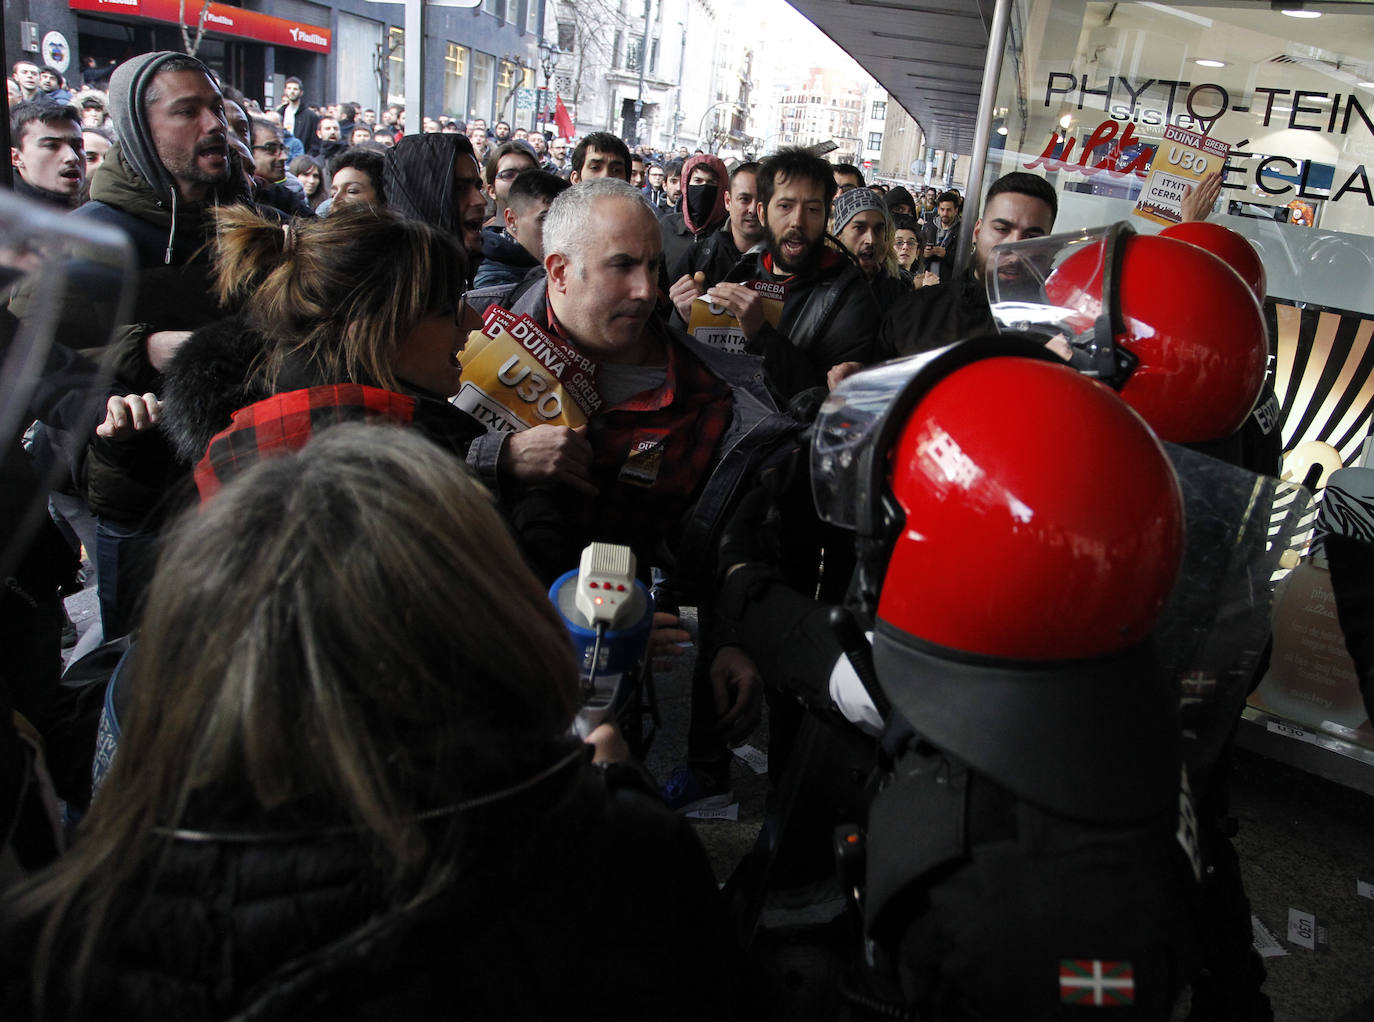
pixel 221 19
pixel 927 54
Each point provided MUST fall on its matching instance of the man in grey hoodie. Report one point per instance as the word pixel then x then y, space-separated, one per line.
pixel 172 161
pixel 160 184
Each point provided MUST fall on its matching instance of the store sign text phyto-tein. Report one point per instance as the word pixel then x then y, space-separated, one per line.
pixel 1156 102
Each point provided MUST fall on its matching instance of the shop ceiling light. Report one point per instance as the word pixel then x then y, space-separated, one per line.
pixel 1302 14
pixel 1210 63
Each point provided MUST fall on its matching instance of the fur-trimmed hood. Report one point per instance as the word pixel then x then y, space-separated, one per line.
pixel 207 381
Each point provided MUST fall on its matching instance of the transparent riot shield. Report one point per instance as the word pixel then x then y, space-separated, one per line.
pixel 1244 534
pixel 67 283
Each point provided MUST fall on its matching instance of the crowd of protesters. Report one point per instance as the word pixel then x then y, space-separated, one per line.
pixel 346 700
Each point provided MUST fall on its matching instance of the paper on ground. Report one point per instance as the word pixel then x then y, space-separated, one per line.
pixel 730 812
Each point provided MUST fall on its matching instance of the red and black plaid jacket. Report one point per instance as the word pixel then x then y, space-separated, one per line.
pixel 286 422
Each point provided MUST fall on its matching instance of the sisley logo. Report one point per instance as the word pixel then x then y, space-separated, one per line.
pixel 308 37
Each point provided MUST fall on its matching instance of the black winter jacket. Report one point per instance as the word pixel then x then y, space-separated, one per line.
pixel 579 898
pixel 828 317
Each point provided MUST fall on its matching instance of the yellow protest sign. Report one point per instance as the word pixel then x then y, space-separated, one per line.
pixel 1182 160
pixel 713 325
pixel 517 375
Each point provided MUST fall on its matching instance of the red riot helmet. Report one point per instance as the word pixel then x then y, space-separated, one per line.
pixel 1228 246
pixel 1014 565
pixel 1168 325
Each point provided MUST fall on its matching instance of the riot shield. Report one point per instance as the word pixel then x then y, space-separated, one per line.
pixel 68 282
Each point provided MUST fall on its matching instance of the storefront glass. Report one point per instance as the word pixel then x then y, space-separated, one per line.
pixel 1086 92
pixel 1294 99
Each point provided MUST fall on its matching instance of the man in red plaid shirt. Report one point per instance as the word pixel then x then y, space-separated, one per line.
pixel 679 427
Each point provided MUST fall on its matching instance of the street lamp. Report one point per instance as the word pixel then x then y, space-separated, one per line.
pixel 548 59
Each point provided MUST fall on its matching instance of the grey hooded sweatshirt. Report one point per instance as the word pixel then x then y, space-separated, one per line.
pixel 132 189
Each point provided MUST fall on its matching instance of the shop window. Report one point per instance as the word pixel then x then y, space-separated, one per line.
pixel 483 74
pixel 396 65
pixel 456 79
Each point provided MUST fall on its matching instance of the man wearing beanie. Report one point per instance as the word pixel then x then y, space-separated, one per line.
pixel 864 227
pixel 900 202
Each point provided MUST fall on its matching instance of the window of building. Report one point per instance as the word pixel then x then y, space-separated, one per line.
pixel 619 45
pixel 875 140
pixel 633 52
pixel 532 16
pixel 456 79
pixel 496 8
pixel 653 58
pixel 396 65
pixel 507 75
pixel 356 43
pixel 567 36
pixel 483 75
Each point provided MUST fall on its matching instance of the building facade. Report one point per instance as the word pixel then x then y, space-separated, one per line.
pixel 478 62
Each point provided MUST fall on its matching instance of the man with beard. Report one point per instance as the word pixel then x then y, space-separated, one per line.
pixel 829 314
pixel 269 170
pixel 160 184
pixel 1018 206
pixel 296 117
pixel 942 237
pixel 698 217
pixel 864 227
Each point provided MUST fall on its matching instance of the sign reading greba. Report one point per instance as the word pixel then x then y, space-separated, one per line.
pixel 1114 148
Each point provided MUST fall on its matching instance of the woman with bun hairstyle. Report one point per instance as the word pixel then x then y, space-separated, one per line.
pixel 346 787
pixel 358 315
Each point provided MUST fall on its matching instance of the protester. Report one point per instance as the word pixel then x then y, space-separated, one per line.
pixel 437 179
pixel 306 170
pixel 48 153
pixel 700 217
pixel 509 253
pixel 357 175
pixel 828 314
pixel 600 154
pixel 288 829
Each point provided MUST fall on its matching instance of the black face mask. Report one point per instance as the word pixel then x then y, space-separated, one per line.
pixel 701 200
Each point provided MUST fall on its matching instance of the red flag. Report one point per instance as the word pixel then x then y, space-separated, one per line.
pixel 561 118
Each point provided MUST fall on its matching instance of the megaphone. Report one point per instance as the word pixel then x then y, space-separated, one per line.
pixel 609 613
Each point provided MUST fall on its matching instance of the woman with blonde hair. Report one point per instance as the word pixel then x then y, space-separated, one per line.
pixel 352 316
pixel 345 786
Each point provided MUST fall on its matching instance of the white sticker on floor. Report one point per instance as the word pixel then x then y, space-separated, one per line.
pixel 756 760
pixel 1302 929
pixel 730 812
pixel 1265 942
pixel 1290 731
